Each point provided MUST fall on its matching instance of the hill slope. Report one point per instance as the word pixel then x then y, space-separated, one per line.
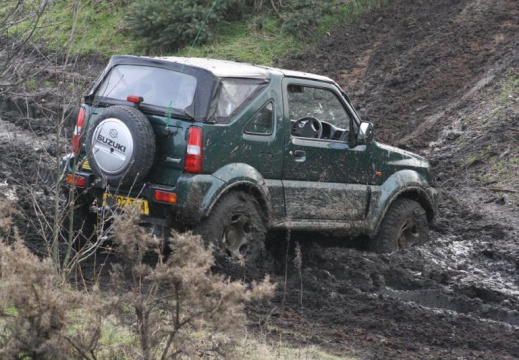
pixel 439 77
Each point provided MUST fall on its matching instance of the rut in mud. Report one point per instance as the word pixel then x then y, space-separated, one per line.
pixel 456 296
pixel 439 77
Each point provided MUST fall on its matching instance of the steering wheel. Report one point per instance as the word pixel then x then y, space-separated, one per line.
pixel 345 136
pixel 308 127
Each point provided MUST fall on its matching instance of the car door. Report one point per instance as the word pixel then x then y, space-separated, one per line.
pixel 325 177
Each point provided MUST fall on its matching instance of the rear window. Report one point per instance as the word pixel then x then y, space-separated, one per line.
pixel 157 86
pixel 234 94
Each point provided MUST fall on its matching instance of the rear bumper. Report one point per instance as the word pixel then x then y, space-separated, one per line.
pixel 194 195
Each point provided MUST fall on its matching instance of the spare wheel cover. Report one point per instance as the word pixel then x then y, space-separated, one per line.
pixel 112 146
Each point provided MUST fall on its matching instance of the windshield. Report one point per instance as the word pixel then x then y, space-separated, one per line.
pixel 157 86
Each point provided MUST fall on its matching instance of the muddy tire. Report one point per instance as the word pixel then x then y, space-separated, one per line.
pixel 237 228
pixel 121 145
pixel 404 226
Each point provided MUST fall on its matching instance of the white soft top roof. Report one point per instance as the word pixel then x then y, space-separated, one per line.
pixel 300 74
pixel 223 68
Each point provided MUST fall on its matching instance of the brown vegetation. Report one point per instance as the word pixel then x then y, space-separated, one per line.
pixel 175 307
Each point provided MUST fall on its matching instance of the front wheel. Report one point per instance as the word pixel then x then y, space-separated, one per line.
pixel 404 226
pixel 237 228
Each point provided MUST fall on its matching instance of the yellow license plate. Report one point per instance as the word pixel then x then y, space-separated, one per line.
pixel 122 201
pixel 86 165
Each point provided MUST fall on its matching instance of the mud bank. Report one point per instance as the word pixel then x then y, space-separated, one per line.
pixel 436 77
pixel 406 65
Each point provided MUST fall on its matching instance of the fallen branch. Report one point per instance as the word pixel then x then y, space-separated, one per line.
pixel 503 190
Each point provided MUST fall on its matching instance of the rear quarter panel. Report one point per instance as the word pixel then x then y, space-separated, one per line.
pixel 227 144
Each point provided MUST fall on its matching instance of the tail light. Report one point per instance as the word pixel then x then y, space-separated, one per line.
pixel 195 150
pixel 165 196
pixel 76 139
pixel 77 180
pixel 135 99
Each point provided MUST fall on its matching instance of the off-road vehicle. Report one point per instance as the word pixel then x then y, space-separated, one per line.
pixel 233 150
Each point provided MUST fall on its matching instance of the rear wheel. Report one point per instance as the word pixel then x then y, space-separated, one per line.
pixel 237 228
pixel 404 226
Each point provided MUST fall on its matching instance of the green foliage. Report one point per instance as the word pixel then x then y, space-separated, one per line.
pixel 304 18
pixel 167 25
pixel 31 85
pixel 82 26
pixel 259 38
pixel 256 31
pixel 243 41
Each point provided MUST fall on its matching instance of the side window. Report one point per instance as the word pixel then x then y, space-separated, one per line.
pixel 234 94
pixel 263 122
pixel 322 104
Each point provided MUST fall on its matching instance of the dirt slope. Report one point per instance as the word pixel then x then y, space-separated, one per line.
pixel 407 63
pixel 439 77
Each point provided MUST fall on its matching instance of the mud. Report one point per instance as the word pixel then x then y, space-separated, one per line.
pixel 405 64
pixel 36 124
pixel 434 77
pixel 455 297
pixel 27 179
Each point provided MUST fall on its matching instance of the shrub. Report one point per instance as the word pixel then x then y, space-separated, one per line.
pixel 167 25
pixel 36 308
pixel 303 20
pixel 7 210
pixel 177 305
pixel 174 307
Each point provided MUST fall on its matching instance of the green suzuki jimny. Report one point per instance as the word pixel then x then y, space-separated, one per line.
pixel 233 150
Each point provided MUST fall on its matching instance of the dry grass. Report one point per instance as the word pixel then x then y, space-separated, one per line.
pixel 168 308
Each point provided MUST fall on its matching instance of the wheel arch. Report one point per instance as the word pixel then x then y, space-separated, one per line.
pixel 420 196
pixel 242 177
pixel 405 183
pixel 261 196
pixel 415 193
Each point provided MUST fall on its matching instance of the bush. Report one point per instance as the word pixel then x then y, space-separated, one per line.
pixel 36 308
pixel 167 25
pixel 303 20
pixel 177 306
pixel 168 308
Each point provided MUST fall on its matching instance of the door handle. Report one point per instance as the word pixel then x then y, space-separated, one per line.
pixel 299 155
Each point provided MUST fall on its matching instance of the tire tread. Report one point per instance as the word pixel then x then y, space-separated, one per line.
pixel 385 240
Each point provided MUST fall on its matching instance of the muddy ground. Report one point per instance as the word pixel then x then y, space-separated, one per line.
pixel 439 78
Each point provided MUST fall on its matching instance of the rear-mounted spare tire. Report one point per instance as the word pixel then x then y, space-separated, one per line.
pixel 121 145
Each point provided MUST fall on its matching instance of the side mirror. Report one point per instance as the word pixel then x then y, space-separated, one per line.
pixel 365 134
